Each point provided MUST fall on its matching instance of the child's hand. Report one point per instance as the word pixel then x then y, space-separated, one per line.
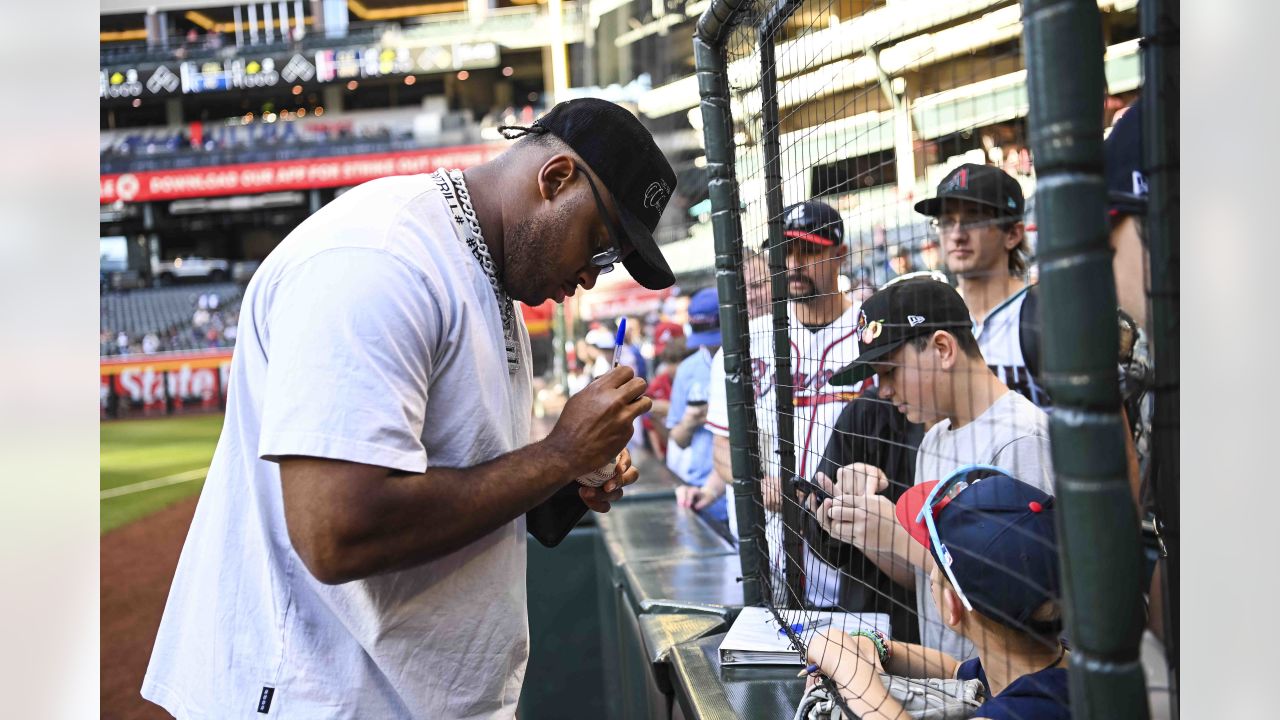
pixel 851 662
pixel 864 520
pixel 862 479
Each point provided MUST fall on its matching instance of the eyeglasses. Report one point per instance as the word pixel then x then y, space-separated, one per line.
pixel 943 493
pixel 605 259
pixel 943 225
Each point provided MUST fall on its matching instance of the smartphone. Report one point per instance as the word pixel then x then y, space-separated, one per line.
pixel 809 487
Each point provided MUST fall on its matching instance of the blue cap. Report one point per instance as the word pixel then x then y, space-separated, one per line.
pixel 1122 157
pixel 704 317
pixel 1000 536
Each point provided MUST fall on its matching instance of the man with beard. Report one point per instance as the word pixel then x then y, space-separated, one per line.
pixel 823 340
pixel 359 547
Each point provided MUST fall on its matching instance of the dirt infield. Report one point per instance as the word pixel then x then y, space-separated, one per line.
pixel 138 561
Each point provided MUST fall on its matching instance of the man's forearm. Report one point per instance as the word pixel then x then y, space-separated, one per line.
pixel 395 521
pixel 720 458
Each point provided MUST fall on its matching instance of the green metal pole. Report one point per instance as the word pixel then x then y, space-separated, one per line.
pixel 717 128
pixel 792 514
pixel 1160 20
pixel 1097 522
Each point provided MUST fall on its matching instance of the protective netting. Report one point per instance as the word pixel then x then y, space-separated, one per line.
pixel 887 213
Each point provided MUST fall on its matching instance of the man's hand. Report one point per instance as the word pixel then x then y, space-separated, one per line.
pixel 595 424
pixel 601 498
pixel 771 490
pixel 694 497
pixel 694 416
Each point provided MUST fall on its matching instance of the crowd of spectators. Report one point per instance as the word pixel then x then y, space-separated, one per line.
pixel 146 322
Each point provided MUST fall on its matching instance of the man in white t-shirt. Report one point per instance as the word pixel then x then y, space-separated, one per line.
pixel 977 214
pixel 821 340
pixel 358 550
pixel 916 337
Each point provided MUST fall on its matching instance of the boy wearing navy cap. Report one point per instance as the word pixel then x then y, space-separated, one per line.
pixel 995 580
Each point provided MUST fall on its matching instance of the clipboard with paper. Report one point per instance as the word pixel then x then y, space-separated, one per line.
pixel 756 638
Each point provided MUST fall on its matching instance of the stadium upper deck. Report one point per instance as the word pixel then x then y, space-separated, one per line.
pixel 275 107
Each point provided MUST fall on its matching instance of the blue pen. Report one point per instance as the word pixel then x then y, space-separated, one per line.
pixel 617 341
pixel 800 627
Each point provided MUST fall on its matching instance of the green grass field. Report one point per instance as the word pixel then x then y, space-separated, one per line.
pixel 135 451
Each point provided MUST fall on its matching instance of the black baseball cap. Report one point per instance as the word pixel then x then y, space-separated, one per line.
pixel 624 156
pixel 981 184
pixel 1122 160
pixel 813 221
pixel 897 313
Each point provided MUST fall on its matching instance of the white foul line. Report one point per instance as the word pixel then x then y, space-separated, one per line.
pixel 188 476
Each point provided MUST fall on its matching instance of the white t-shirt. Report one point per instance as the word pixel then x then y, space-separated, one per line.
pixel 999 337
pixel 371 335
pixel 816 355
pixel 1012 434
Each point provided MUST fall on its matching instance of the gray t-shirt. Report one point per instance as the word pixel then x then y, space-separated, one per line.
pixel 1012 434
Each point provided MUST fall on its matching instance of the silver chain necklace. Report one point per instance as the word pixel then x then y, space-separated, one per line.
pixel 453 186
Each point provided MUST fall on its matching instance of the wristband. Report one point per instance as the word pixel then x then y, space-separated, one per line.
pixel 883 648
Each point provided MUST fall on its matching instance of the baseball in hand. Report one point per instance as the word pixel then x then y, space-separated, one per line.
pixel 600 475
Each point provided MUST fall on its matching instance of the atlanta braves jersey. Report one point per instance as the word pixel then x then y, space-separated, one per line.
pixel 816 355
pixel 1000 338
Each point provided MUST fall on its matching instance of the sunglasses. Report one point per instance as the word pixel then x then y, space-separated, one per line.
pixel 942 494
pixel 605 259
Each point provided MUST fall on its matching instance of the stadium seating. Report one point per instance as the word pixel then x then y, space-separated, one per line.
pixel 165 312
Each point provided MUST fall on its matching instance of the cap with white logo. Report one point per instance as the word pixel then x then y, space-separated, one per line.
pixel 622 153
pixel 1122 158
pixel 813 221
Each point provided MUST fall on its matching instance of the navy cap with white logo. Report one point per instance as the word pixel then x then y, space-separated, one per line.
pixel 813 221
pixel 1122 159
pixel 622 153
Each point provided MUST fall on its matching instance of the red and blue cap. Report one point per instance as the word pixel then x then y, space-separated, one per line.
pixel 999 541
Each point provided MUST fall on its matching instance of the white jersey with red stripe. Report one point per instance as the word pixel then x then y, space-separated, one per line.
pixel 816 355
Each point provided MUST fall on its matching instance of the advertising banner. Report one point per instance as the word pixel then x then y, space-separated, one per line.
pixel 289 175
pixel 255 71
pixel 162 384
